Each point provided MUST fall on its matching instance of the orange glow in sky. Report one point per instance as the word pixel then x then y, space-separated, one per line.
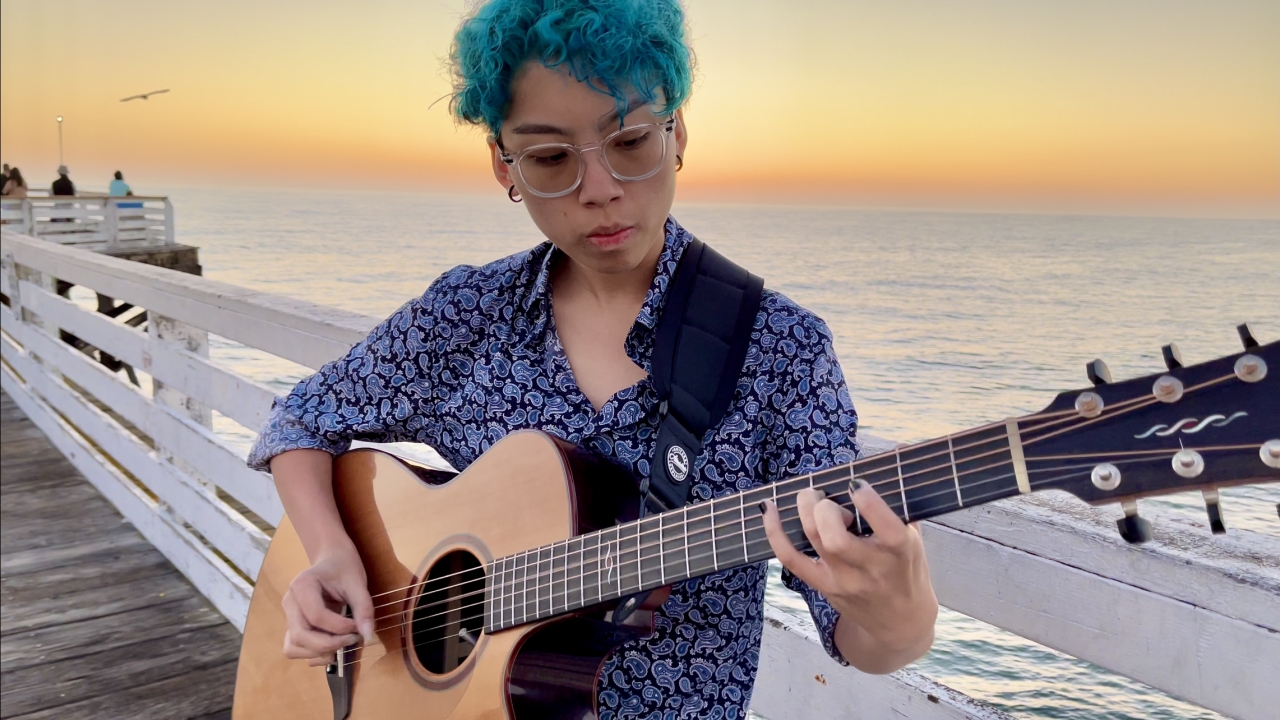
pixel 1137 106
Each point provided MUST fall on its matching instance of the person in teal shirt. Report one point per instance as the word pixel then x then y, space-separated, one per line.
pixel 119 188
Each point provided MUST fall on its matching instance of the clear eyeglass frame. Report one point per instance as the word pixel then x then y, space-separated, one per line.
pixel 513 161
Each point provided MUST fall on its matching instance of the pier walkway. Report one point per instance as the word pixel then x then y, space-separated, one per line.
pixel 95 621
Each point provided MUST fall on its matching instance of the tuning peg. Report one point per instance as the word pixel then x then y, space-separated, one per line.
pixel 1212 506
pixel 1172 357
pixel 1246 336
pixel 1098 372
pixel 1133 528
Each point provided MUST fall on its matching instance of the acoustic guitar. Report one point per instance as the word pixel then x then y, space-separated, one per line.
pixel 500 592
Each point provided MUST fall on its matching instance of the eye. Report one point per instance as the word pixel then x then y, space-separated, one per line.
pixel 631 140
pixel 548 157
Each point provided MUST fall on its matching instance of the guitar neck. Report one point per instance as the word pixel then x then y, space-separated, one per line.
pixel 917 481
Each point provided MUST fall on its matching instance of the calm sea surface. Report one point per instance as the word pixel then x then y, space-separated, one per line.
pixel 942 321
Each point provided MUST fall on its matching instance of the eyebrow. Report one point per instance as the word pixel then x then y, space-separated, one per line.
pixel 633 104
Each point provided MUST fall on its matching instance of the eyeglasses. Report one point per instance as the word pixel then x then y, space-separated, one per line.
pixel 552 170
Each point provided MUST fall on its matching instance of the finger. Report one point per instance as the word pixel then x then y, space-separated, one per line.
pixel 309 595
pixel 362 612
pixel 312 643
pixel 327 660
pixel 805 501
pixel 786 552
pixel 875 512
pixel 832 523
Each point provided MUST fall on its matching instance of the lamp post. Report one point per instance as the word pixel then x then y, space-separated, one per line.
pixel 60 163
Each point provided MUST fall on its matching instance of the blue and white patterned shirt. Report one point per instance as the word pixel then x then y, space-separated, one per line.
pixel 478 357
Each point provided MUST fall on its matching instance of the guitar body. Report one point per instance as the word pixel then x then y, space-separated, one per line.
pixel 528 490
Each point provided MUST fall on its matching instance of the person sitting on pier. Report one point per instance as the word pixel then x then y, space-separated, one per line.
pixel 15 186
pixel 118 187
pixel 582 101
pixel 63 185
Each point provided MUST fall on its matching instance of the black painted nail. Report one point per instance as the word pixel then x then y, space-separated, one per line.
pixel 763 507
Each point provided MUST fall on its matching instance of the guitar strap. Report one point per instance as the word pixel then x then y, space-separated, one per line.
pixel 700 344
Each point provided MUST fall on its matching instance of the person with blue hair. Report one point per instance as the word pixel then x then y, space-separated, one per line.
pixel 582 103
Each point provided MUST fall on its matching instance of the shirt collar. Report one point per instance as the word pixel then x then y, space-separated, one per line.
pixel 639 344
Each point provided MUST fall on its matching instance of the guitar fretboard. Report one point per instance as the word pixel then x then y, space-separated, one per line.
pixel 918 482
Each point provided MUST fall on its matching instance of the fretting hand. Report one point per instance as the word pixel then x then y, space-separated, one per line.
pixel 879 584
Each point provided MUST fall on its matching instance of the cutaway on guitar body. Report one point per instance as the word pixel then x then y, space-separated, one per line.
pixel 426 549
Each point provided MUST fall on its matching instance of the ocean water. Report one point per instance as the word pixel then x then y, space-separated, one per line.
pixel 942 321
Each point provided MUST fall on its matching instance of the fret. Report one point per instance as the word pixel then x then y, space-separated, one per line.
pixel 559 582
pixel 508 591
pixel 628 562
pixel 542 580
pixel 573 593
pixel 610 578
pixel 729 546
pixel 929 486
pixel 523 580
pixel 499 604
pixel 592 581
pixel 983 463
pixel 955 475
pixel 902 486
pixel 700 540
pixel 675 546
pixel 649 539
pixel 753 524
pixel 857 516
pixel 489 597
pixel 785 499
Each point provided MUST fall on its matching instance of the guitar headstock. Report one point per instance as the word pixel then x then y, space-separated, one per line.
pixel 1195 427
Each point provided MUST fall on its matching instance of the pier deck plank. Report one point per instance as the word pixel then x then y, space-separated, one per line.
pixel 94 621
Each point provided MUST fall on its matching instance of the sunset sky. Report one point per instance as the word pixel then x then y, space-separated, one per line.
pixel 1162 107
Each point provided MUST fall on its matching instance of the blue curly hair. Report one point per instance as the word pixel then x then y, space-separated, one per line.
pixel 616 46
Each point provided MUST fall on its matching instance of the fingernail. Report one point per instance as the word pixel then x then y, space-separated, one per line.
pixel 353 639
pixel 763 507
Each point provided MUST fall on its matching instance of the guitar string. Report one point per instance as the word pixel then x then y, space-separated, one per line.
pixel 874 458
pixel 641 533
pixel 955 436
pixel 1061 415
pixel 1044 481
pixel 539 586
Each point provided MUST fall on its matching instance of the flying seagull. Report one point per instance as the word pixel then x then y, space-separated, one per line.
pixel 144 96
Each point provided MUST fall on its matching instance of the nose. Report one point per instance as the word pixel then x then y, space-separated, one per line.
pixel 599 186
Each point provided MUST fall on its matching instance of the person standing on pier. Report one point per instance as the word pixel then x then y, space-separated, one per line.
pixel 63 185
pixel 15 186
pixel 582 101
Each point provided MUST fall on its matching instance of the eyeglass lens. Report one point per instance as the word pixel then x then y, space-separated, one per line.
pixel 633 154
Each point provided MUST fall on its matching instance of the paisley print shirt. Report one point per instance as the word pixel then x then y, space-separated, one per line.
pixel 478 357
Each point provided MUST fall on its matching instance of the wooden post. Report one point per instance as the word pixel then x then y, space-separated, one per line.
pixel 166 330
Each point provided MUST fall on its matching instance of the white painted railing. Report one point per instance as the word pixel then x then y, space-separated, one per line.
pixel 1197 619
pixel 94 221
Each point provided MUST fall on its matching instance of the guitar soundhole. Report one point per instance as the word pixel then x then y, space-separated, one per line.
pixel 449 614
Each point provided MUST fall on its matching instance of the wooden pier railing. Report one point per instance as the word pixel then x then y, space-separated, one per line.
pixel 97 222
pixel 1194 615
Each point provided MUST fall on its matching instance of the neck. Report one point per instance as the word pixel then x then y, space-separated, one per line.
pixel 917 482
pixel 608 289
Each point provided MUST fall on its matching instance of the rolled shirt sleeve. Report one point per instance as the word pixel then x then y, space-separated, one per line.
pixel 372 393
pixel 815 428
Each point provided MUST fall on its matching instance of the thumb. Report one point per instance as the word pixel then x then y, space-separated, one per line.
pixel 362 612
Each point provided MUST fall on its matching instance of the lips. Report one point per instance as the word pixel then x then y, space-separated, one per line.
pixel 608 236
